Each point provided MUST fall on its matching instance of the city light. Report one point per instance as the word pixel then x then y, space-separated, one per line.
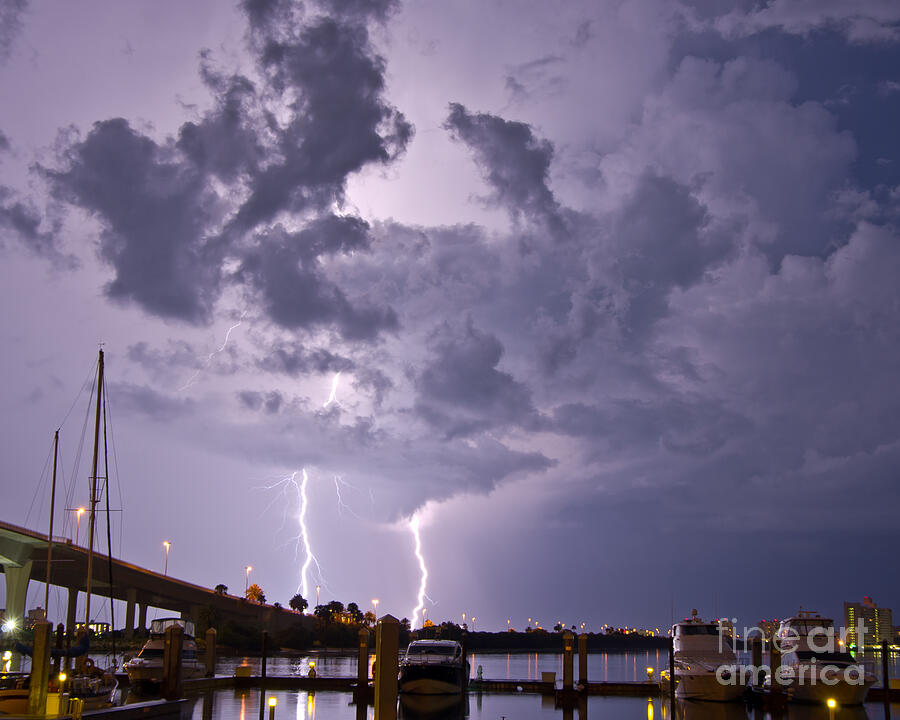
pixel 8 626
pixel 831 703
pixel 247 584
pixel 375 602
pixel 166 545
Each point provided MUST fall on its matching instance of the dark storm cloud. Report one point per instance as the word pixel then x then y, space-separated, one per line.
pixel 269 402
pixel 661 240
pixel 144 400
pixel 11 12
pixel 526 79
pixel 168 211
pixel 4 142
pixel 21 222
pixel 461 391
pixel 516 163
pixel 284 269
pixel 153 210
pixel 339 120
pixel 297 360
pixel 864 21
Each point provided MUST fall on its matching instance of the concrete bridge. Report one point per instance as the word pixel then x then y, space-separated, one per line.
pixel 23 557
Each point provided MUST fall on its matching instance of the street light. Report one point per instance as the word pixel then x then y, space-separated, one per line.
pixel 166 545
pixel 78 513
pixel 317 595
pixel 507 624
pixel 247 584
pixel 375 608
pixel 474 626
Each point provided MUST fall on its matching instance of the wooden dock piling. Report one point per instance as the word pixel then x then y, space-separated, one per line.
pixel 387 647
pixel 40 669
pixel 172 680
pixel 582 660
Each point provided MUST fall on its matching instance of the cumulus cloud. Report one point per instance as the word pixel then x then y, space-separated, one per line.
pixel 276 146
pixel 461 390
pixel 864 21
pixel 516 164
pixel 10 25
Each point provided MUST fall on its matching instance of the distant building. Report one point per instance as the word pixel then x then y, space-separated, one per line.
pixel 35 615
pixel 98 628
pixel 878 623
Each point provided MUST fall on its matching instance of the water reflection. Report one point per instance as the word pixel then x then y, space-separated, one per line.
pixel 433 707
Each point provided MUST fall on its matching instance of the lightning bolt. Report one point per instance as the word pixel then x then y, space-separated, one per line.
pixel 423 570
pixel 302 538
pixel 342 506
pixel 334 387
pixel 210 357
pixel 310 558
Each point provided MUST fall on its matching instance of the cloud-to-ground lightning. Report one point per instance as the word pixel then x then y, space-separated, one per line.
pixel 334 387
pixel 302 538
pixel 423 570
pixel 304 535
pixel 210 357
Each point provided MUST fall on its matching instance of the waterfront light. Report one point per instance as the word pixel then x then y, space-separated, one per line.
pixel 78 513
pixel 166 545
pixel 247 584
pixel 831 703
pixel 8 626
pixel 650 674
pixel 375 602
pixel 272 703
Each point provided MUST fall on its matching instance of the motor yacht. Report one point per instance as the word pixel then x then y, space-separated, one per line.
pixel 705 664
pixel 146 668
pixel 433 667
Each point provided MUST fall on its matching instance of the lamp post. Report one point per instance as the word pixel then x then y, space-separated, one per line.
pixel 474 626
pixel 375 608
pixel 78 513
pixel 247 583
pixel 166 545
pixel 317 595
pixel 507 624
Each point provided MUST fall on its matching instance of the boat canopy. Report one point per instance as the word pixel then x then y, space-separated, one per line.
pixel 158 627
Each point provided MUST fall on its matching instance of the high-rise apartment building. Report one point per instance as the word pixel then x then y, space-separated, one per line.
pixel 878 623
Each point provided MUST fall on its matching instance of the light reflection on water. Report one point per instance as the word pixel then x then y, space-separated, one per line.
pixel 304 705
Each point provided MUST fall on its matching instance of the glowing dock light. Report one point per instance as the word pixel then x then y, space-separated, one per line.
pixel 423 572
pixel 8 626
pixel 650 672
pixel 831 703
pixel 273 701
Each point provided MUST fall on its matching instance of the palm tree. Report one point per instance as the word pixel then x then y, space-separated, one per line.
pixel 255 594
pixel 299 603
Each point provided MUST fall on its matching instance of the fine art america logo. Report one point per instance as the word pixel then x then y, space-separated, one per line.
pixel 816 657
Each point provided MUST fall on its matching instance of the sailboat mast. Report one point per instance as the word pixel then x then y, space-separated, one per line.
pixel 50 531
pixel 90 563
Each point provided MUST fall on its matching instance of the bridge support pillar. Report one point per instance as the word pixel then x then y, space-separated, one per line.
pixel 131 599
pixel 142 617
pixel 16 593
pixel 71 608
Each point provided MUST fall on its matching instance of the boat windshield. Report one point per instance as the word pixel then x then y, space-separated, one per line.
pixel 447 650
pixel 825 657
pixel 158 627
pixel 698 629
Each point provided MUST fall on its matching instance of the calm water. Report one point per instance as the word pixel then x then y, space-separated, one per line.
pixel 337 706
pixel 490 706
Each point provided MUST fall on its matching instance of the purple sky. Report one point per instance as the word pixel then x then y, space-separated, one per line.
pixel 612 289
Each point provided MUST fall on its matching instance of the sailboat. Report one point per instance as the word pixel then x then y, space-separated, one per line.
pixel 93 687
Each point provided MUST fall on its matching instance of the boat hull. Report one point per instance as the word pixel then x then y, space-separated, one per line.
pixel 706 686
pixel 431 679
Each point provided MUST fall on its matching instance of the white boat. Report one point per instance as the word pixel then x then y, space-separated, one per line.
pixel 433 667
pixel 814 666
pixel 705 664
pixel 145 670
